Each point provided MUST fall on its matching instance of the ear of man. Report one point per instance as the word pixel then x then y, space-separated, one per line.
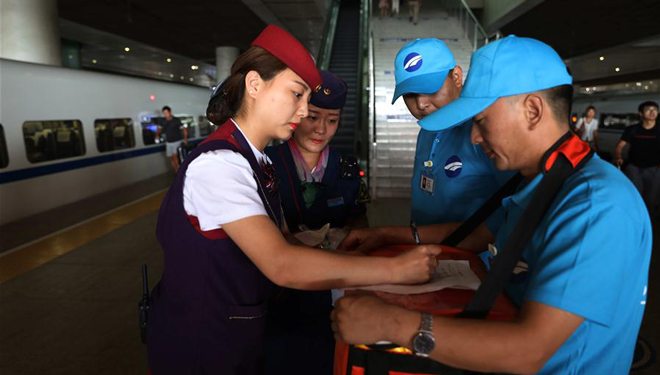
pixel 457 76
pixel 535 108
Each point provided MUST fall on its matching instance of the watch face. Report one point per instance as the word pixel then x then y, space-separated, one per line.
pixel 423 343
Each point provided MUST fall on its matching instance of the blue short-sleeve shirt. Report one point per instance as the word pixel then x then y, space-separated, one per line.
pixel 464 177
pixel 590 256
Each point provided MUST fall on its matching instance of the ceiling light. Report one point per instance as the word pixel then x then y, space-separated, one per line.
pixel 602 58
pixel 191 79
pixel 181 77
pixel 94 61
pixel 171 75
pixel 646 87
pixel 617 69
pixel 638 83
pixel 588 89
pixel 127 49
pixel 169 60
pixel 160 73
pixel 594 88
pixel 70 57
pixel 194 67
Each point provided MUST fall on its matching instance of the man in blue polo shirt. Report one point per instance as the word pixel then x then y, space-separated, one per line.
pixel 452 177
pixel 582 281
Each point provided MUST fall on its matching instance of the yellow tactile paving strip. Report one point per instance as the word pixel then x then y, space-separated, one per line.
pixel 34 255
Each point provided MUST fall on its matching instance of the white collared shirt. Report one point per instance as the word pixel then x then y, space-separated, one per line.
pixel 219 187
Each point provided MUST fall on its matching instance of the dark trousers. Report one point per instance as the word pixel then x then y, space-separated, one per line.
pixel 647 181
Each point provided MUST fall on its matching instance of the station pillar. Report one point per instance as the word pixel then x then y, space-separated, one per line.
pixel 29 31
pixel 224 58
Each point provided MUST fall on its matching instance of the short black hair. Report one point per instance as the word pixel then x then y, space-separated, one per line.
pixel 649 103
pixel 560 99
pixel 589 108
pixel 167 107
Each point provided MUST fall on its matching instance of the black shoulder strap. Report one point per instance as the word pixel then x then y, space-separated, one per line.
pixel 568 146
pixel 483 213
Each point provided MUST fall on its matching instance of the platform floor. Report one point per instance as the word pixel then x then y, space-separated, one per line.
pixel 73 309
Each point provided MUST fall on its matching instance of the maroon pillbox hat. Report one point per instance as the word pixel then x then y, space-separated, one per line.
pixel 291 52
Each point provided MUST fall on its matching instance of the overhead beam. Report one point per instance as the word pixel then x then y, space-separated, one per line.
pixel 498 13
pixel 262 11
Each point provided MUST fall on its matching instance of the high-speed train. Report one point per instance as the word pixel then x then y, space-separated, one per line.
pixel 614 112
pixel 68 134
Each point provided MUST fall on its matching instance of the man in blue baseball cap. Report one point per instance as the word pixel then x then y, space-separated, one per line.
pixel 582 277
pixel 451 176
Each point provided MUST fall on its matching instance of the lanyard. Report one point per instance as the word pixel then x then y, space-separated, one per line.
pixel 429 163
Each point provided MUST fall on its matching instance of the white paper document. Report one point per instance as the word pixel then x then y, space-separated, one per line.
pixel 454 274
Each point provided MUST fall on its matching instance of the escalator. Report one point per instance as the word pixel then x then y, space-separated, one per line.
pixel 344 62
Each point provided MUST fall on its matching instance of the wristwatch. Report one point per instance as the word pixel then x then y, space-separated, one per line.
pixel 423 341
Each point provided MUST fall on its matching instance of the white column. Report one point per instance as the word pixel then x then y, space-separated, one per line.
pixel 224 58
pixel 29 31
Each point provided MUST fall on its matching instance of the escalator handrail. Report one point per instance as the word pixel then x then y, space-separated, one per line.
pixel 325 52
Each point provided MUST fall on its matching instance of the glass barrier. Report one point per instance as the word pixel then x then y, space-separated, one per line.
pixel 152 128
pixel 469 23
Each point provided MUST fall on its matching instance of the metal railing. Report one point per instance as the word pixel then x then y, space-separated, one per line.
pixel 471 27
pixel 364 85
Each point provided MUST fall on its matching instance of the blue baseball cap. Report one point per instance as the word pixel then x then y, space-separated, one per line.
pixel 506 67
pixel 421 67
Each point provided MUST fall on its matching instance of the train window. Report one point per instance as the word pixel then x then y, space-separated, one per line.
pixel 114 134
pixel 152 126
pixel 52 140
pixel 206 127
pixel 190 124
pixel 4 156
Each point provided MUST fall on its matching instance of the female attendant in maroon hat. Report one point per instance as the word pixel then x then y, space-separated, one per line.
pixel 221 225
pixel 317 185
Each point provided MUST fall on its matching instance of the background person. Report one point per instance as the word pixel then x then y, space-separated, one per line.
pixel 222 230
pixel 582 298
pixel 384 6
pixel 395 7
pixel 643 167
pixel 413 9
pixel 587 127
pixel 172 128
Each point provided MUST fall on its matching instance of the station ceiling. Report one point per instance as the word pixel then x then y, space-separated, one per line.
pixel 603 41
pixel 624 32
pixel 578 27
pixel 194 28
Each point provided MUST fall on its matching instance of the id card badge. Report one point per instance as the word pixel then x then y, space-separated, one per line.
pixel 427 181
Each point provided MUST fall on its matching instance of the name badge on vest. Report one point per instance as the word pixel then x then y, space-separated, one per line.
pixel 334 202
pixel 427 181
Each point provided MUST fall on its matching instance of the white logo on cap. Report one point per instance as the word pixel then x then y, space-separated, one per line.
pixel 412 62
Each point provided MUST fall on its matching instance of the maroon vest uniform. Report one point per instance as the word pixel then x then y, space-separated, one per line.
pixel 207 313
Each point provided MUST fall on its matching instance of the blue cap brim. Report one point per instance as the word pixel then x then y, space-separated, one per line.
pixel 422 84
pixel 455 113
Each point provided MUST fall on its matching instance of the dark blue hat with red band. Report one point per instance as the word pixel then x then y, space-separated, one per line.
pixel 291 52
pixel 331 94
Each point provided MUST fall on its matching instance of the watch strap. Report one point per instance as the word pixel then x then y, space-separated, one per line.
pixel 427 323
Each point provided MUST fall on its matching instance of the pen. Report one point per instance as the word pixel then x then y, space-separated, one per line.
pixel 415 233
